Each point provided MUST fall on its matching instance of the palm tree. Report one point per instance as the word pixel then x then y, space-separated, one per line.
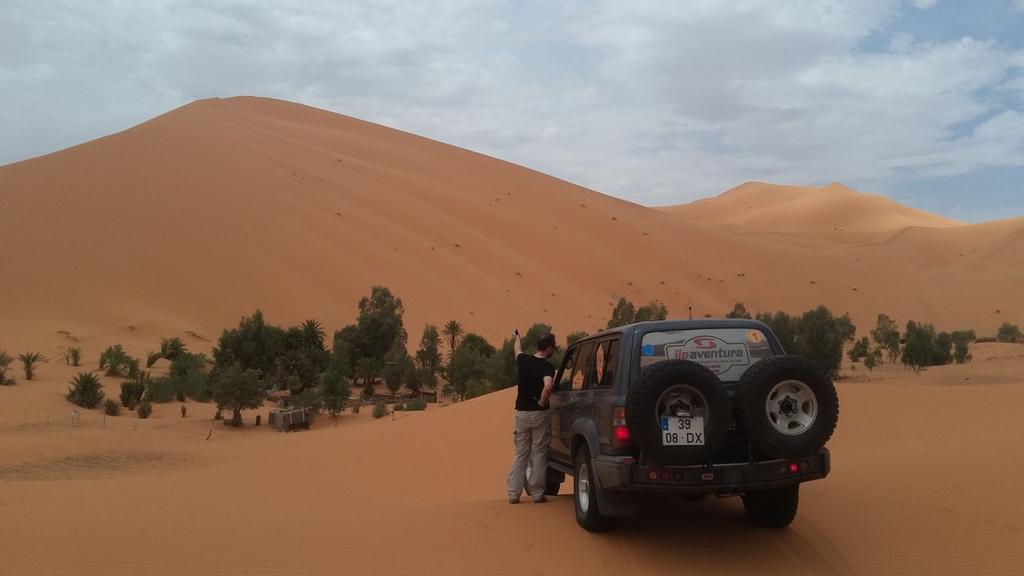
pixel 29 360
pixel 171 348
pixel 453 331
pixel 312 333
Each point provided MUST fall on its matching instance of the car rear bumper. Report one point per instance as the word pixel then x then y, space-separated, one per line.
pixel 624 474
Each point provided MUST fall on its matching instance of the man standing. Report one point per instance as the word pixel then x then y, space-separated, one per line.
pixel 533 419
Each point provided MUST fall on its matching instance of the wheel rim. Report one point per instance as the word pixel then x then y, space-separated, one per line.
pixel 583 488
pixel 681 400
pixel 791 407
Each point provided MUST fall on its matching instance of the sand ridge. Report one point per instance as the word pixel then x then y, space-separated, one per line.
pixel 199 216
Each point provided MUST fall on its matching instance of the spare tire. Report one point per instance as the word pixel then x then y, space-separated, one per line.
pixel 786 407
pixel 677 388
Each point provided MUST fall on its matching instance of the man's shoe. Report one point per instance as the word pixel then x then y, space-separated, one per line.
pixel 540 499
pixel 513 500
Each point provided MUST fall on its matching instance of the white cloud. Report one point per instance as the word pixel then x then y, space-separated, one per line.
pixel 923 4
pixel 658 102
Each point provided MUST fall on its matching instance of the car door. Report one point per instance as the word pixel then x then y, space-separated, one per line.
pixel 596 400
pixel 559 448
pixel 569 391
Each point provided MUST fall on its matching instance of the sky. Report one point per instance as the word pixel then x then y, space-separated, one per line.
pixel 658 102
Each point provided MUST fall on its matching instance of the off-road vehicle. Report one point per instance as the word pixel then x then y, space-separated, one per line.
pixel 689 408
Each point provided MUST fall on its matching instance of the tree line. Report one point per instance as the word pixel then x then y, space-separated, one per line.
pixel 256 356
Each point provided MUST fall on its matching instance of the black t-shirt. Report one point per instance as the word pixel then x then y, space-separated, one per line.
pixel 532 371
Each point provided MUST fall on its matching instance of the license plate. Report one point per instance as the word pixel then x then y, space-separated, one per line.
pixel 677 431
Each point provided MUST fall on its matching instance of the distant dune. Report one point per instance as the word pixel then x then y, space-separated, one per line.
pixel 762 207
pixel 190 220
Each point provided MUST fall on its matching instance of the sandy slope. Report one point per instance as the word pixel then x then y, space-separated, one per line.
pixel 181 225
pixel 833 211
pixel 925 480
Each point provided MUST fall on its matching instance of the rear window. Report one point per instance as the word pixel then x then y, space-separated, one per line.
pixel 728 352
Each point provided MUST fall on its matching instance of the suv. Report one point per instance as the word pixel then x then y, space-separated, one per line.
pixel 689 408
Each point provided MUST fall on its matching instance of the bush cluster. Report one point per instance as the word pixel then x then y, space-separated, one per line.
pixel 144 409
pixel 5 363
pixel 380 410
pixel 817 335
pixel 625 312
pixel 111 407
pixel 73 356
pixel 415 405
pixel 116 362
pixel 85 390
pixel 1010 333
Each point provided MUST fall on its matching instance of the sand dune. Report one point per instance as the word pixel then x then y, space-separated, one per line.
pixel 185 223
pixel 763 207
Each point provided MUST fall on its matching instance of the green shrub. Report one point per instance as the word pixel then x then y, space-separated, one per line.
pixel 334 391
pixel 943 349
pixel 368 391
pixel 380 410
pixel 961 345
pixel 111 407
pixel 73 356
pixel 132 391
pixel 189 376
pixel 85 390
pixel 415 405
pixel 152 357
pixel 5 362
pixel 625 312
pixel 159 390
pixel 29 361
pixel 237 389
pixel 739 311
pixel 172 348
pixel 184 411
pixel 1010 333
pixel 144 410
pixel 117 362
pixel 860 350
pixel 308 398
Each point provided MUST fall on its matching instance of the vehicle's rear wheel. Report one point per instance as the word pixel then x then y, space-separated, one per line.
pixel 553 482
pixel 773 508
pixel 676 388
pixel 786 407
pixel 585 490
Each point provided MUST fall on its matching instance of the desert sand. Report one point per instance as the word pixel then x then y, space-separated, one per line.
pixel 925 480
pixel 181 225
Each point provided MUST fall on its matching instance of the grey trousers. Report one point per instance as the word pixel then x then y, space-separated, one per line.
pixel 532 437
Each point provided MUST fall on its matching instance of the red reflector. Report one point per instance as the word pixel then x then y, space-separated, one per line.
pixel 793 468
pixel 678 476
pixel 652 475
pixel 665 475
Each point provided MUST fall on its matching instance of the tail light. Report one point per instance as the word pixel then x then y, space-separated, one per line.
pixel 620 432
